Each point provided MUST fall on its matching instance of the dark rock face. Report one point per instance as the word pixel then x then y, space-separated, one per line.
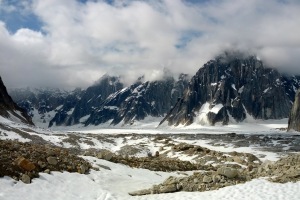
pixel 9 109
pixel 42 104
pixel 140 100
pixel 231 88
pixel 294 119
pixel 89 100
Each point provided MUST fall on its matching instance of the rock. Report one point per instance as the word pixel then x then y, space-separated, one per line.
pixel 52 160
pixel 82 169
pixel 168 188
pixel 216 178
pixel 25 179
pixel 140 192
pixel 9 109
pixel 100 155
pixel 169 181
pixel 47 171
pixel 237 159
pixel 51 152
pixel 294 118
pixel 105 154
pixel 25 164
pixel 207 179
pixel 42 164
pixel 108 156
pixel 230 86
pixel 228 172
pixel 156 154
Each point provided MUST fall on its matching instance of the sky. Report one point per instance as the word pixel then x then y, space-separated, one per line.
pixel 72 43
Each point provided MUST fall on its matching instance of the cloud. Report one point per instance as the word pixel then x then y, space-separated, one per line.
pixel 80 41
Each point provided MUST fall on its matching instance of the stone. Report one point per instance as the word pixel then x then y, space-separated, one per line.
pixel 156 154
pixel 51 152
pixel 82 169
pixel 47 171
pixel 25 179
pixel 108 156
pixel 169 181
pixel 52 160
pixel 238 159
pixel 207 179
pixel 140 192
pixel 25 164
pixel 216 178
pixel 228 172
pixel 168 188
pixel 294 118
pixel 100 155
pixel 42 164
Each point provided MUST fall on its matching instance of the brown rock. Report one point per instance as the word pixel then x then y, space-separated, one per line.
pixel 25 164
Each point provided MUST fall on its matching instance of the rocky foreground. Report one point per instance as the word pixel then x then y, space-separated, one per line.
pixel 211 169
pixel 23 161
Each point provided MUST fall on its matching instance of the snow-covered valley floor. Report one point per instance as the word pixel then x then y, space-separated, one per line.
pixel 265 140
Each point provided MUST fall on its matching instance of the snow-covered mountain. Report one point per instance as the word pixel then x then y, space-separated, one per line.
pixel 9 109
pixel 42 104
pixel 80 108
pixel 106 100
pixel 141 99
pixel 234 88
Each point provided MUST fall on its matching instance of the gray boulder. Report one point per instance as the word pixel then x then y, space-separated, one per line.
pixel 294 119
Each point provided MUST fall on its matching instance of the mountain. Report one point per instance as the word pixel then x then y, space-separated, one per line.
pixel 76 110
pixel 42 104
pixel 9 109
pixel 234 87
pixel 141 99
pixel 294 119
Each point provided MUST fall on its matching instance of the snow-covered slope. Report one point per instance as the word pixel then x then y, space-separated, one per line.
pixel 114 181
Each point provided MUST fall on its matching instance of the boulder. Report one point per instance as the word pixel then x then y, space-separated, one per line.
pixel 294 119
pixel 52 160
pixel 228 172
pixel 25 164
pixel 25 179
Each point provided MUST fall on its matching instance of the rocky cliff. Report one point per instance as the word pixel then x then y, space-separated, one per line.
pixel 42 104
pixel 9 109
pixel 141 99
pixel 294 119
pixel 234 88
pixel 90 99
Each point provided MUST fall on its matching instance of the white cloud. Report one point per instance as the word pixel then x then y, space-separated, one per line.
pixel 83 41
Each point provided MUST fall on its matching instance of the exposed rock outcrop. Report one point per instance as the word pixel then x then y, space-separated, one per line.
pixel 141 99
pixel 233 88
pixel 9 109
pixel 294 119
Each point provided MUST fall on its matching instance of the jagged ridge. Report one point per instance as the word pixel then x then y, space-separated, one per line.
pixel 232 88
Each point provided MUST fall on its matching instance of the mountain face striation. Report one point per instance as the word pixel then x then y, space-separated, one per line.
pixel 9 109
pixel 141 99
pixel 294 119
pixel 43 104
pixel 234 88
pixel 90 99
